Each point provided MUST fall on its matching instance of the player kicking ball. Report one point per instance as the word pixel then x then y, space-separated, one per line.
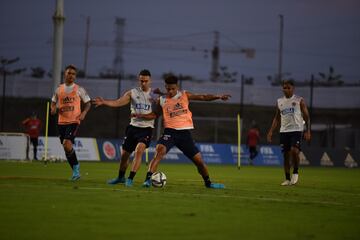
pixel 178 123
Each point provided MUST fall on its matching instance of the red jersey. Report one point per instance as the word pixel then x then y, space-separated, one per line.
pixel 32 126
pixel 253 137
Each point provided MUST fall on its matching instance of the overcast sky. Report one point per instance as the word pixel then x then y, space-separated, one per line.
pixel 317 34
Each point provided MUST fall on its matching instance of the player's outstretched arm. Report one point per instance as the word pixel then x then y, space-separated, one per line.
pixel 207 97
pixel 125 99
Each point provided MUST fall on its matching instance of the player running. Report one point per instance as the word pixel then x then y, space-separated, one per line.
pixel 67 102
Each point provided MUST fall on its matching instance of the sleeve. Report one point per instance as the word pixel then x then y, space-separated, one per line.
pixel 54 98
pixel 83 95
pixel 161 101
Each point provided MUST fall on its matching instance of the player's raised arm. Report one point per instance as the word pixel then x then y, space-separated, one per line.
pixel 122 101
pixel 207 97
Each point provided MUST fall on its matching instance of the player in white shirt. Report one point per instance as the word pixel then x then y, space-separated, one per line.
pixel 139 132
pixel 291 114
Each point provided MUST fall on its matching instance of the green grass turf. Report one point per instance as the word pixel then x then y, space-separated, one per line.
pixel 38 202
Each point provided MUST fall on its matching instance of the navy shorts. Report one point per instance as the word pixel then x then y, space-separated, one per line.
pixel 68 131
pixel 290 139
pixel 181 139
pixel 135 135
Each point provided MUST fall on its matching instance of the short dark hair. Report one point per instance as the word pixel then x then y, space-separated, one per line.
pixel 71 66
pixel 171 79
pixel 290 82
pixel 145 72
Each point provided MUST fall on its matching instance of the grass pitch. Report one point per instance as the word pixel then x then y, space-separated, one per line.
pixel 38 201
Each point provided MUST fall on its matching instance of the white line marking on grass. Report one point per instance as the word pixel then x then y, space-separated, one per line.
pixel 225 196
pixel 217 195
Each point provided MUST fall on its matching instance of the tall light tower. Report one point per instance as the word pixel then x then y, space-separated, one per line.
pixel 281 47
pixel 118 64
pixel 86 45
pixel 58 20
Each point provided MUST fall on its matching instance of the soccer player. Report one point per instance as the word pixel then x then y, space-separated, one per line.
pixel 139 132
pixel 177 123
pixel 291 113
pixel 67 102
pixel 32 125
pixel 252 139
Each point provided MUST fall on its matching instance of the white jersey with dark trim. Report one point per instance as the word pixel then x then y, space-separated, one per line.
pixel 141 103
pixel 290 112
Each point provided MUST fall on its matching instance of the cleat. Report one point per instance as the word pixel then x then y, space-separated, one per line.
pixel 129 182
pixel 294 178
pixel 147 183
pixel 216 186
pixel 76 172
pixel 286 183
pixel 116 181
pixel 75 178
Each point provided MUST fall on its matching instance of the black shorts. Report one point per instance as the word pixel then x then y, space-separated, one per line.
pixel 34 142
pixel 135 135
pixel 181 139
pixel 68 131
pixel 290 139
pixel 252 149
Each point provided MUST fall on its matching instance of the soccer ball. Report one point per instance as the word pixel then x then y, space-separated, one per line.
pixel 158 179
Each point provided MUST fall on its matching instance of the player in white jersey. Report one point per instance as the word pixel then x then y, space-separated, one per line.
pixel 139 132
pixel 291 113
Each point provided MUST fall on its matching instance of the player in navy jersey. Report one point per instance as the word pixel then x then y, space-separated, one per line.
pixel 293 117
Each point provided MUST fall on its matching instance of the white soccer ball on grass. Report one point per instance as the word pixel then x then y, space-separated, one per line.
pixel 158 179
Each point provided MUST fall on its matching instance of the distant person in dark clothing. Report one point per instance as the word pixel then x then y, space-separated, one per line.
pixel 32 126
pixel 253 137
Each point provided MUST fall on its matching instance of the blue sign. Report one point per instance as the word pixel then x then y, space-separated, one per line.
pixel 109 149
pixel 268 155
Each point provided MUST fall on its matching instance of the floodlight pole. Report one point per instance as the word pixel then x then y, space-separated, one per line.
pixel 281 47
pixel 58 20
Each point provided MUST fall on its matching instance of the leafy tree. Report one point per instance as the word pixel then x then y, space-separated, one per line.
pixel 330 78
pixel 37 72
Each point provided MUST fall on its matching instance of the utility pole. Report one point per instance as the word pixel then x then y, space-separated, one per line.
pixel 280 47
pixel 87 45
pixel 118 64
pixel 58 20
pixel 214 74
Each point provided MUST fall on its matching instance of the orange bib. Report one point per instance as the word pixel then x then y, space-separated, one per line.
pixel 177 114
pixel 69 106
